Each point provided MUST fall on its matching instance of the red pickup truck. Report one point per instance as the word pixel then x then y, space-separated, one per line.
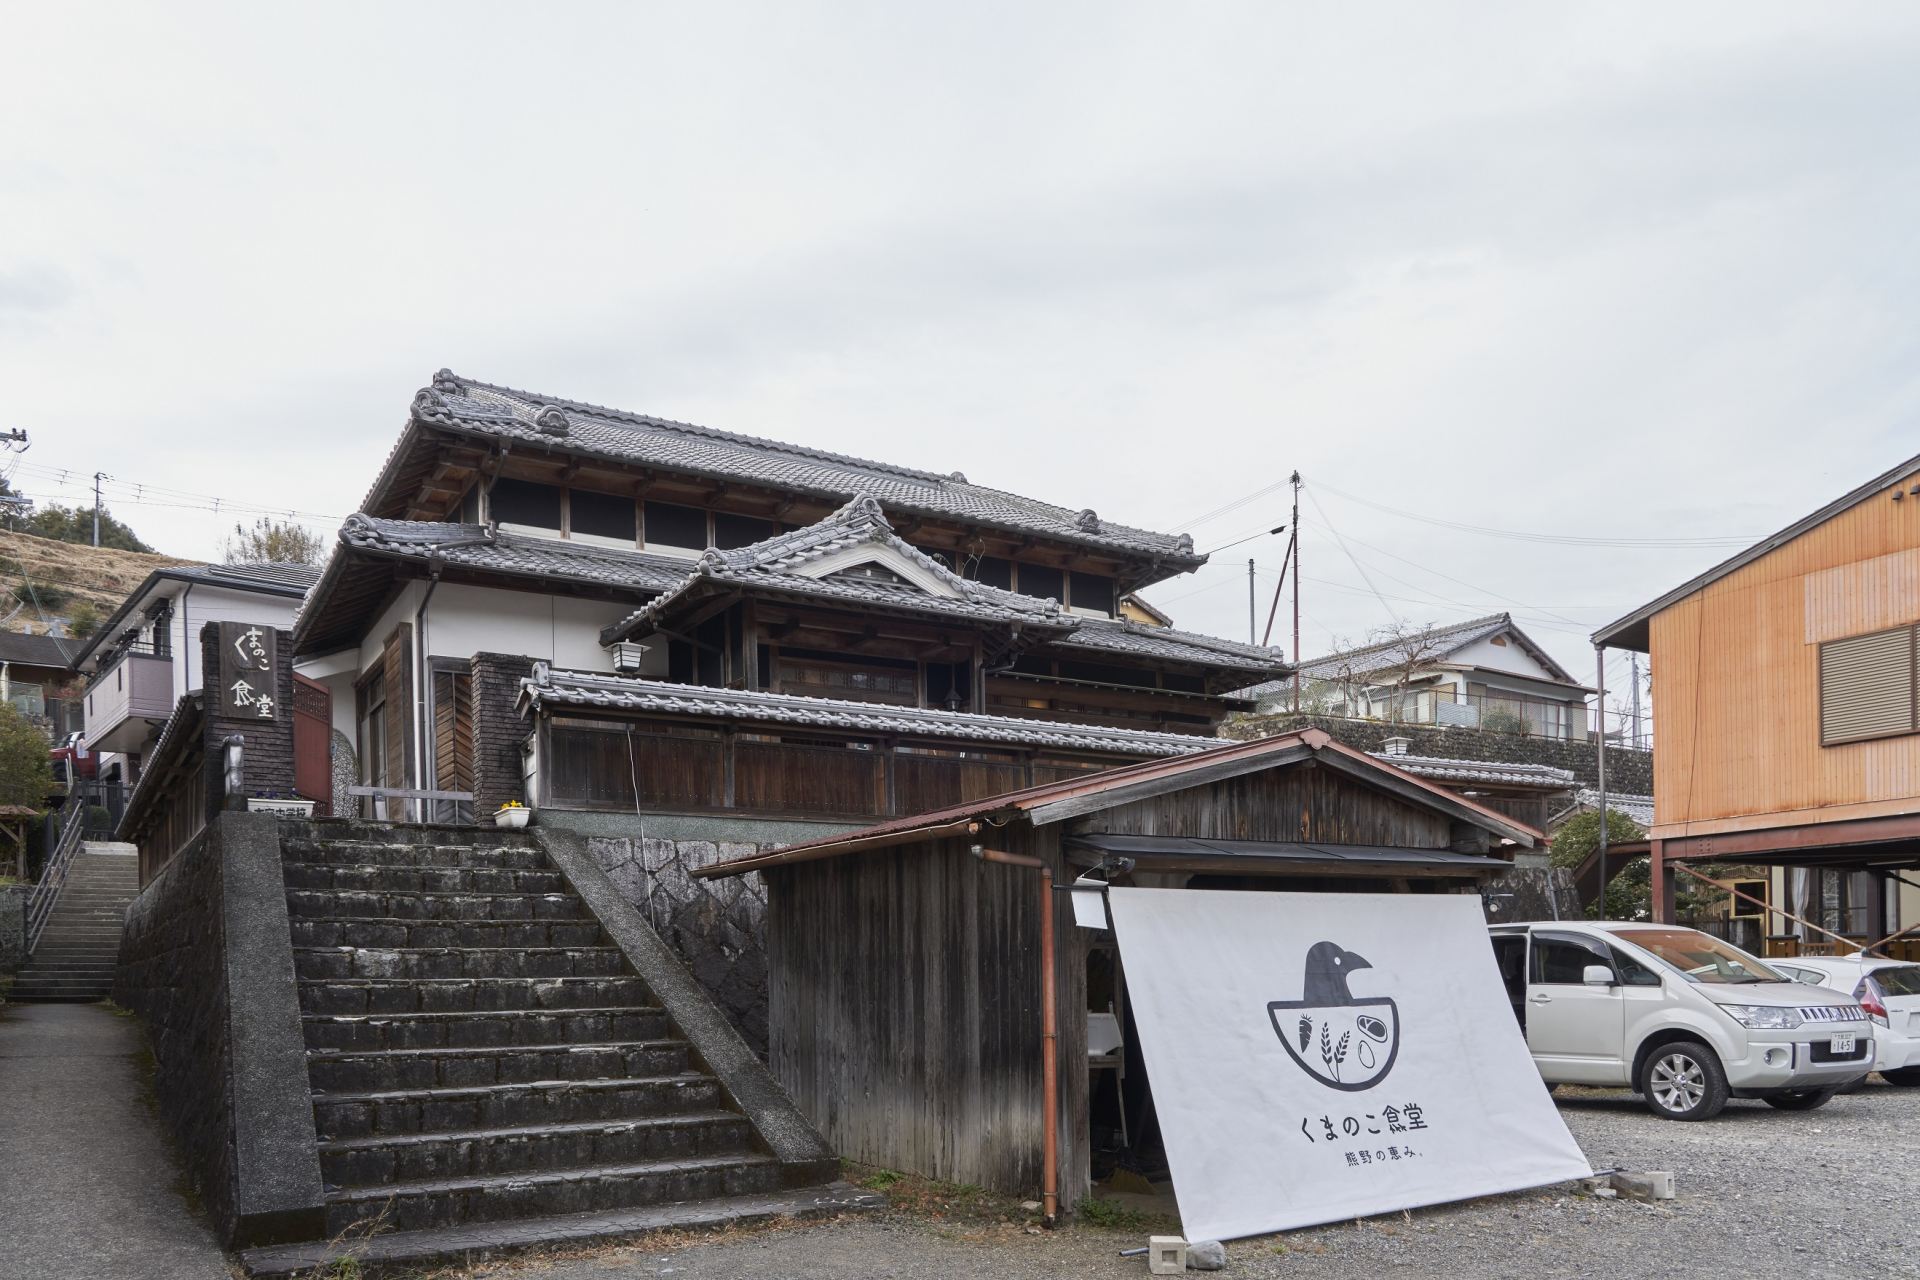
pixel 72 762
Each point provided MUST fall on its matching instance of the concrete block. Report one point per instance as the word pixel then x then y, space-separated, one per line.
pixel 1655 1185
pixel 1166 1256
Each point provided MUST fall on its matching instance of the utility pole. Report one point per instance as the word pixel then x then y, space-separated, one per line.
pixel 1633 665
pixel 1251 608
pixel 1295 655
pixel 98 476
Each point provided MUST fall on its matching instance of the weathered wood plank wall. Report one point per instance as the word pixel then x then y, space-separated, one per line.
pixel 1301 803
pixel 904 1011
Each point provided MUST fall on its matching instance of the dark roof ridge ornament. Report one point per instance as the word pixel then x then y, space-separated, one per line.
pixel 429 403
pixel 446 384
pixel 1088 521
pixel 552 421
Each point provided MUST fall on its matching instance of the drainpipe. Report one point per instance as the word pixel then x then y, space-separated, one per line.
pixel 1049 1032
pixel 422 684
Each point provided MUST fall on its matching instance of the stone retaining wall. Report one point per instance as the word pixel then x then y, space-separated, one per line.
pixel 206 962
pixel 1629 772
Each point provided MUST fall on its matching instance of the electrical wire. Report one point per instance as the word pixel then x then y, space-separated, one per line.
pixel 1555 539
pixel 1350 556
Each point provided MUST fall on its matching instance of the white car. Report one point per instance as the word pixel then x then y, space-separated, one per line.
pixel 1677 1015
pixel 1889 990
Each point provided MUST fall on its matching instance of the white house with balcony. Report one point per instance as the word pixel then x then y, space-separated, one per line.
pixel 1485 673
pixel 145 658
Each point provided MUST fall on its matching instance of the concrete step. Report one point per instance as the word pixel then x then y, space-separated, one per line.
pixel 467 995
pixel 412 1206
pixel 461 1247
pixel 458 962
pixel 349 853
pixel 484 1030
pixel 357 905
pixel 356 831
pixel 471 1153
pixel 384 878
pixel 443 1068
pixel 410 1112
pixel 446 933
pixel 59 992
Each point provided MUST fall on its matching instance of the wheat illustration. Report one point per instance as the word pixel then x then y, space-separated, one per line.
pixel 1326 1049
pixel 1306 1032
pixel 1340 1050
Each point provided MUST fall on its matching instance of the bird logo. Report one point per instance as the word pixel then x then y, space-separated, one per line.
pixel 1343 1041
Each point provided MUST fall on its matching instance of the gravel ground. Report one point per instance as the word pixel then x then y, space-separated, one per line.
pixel 1763 1194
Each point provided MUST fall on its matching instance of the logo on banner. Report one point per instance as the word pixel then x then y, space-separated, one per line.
pixel 1344 1041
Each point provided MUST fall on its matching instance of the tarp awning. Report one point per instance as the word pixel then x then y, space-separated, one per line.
pixel 1279 856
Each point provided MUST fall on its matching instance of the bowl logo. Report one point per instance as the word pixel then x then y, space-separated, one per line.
pixel 1344 1042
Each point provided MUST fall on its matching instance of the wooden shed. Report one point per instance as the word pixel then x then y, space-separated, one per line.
pixel 908 1016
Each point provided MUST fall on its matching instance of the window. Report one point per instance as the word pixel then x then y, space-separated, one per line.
pixel 602 516
pixel 669 525
pixel 1867 687
pixel 740 531
pixel 1042 583
pixel 1562 960
pixel 1631 971
pixel 1091 591
pixel 1700 957
pixel 526 504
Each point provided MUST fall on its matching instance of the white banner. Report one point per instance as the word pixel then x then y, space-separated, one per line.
pixel 1322 1056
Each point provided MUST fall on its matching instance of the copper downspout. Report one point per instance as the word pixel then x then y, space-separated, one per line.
pixel 1049 1032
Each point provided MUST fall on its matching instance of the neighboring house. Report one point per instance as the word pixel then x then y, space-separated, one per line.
pixel 1135 609
pixel 34 674
pixel 1484 673
pixel 1788 729
pixel 1638 808
pixel 147 655
pixel 689 621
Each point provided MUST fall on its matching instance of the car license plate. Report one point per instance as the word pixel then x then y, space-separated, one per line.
pixel 1841 1044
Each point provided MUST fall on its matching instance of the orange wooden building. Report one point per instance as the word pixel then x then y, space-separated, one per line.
pixel 1788 727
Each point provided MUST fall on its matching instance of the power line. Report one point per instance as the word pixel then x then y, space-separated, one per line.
pixel 1394 613
pixel 1556 539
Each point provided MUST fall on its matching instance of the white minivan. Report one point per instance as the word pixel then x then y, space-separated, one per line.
pixel 1678 1015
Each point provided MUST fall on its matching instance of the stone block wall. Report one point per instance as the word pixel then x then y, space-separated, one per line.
pixel 172 973
pixel 498 730
pixel 1628 771
pixel 717 927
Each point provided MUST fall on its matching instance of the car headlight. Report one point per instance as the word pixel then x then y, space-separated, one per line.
pixel 1763 1017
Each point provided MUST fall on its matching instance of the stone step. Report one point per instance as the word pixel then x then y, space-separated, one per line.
pixel 458 962
pixel 356 905
pixel 446 933
pixel 360 831
pixel 467 995
pixel 485 1030
pixel 25 991
pixel 73 968
pixel 442 1068
pixel 406 1112
pixel 386 878
pixel 413 1206
pixel 349 853
pixel 471 1153
pixel 457 1247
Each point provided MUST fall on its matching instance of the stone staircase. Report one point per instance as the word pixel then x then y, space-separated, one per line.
pixel 482 1056
pixel 73 961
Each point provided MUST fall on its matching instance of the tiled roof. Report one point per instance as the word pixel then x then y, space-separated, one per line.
pixel 550 688
pixel 253 575
pixel 37 651
pixel 1437 643
pixel 1497 772
pixel 1137 639
pixel 777 565
pixel 474 546
pixel 1637 807
pixel 269 578
pixel 568 426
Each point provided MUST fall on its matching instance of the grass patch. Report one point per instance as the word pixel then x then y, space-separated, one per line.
pixel 1111 1215
pixel 880 1179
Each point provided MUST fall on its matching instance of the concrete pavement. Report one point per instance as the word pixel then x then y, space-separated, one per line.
pixel 88 1191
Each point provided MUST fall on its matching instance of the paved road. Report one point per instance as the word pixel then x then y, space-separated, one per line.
pixel 87 1189
pixel 1763 1195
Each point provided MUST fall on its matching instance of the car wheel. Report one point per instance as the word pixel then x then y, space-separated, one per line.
pixel 1909 1076
pixel 1800 1099
pixel 1683 1080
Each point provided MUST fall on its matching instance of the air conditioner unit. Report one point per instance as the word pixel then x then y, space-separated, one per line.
pixel 627 656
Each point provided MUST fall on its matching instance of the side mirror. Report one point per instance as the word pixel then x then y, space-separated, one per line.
pixel 1597 975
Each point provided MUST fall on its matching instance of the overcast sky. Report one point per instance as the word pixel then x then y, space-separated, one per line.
pixel 1618 272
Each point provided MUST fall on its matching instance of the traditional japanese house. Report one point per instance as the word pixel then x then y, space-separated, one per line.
pixel 684 640
pixel 908 960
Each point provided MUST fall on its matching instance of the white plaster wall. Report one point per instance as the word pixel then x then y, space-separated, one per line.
pixel 464 620
pixel 194 609
pixel 1508 657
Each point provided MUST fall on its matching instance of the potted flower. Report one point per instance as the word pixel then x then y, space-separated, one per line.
pixel 512 815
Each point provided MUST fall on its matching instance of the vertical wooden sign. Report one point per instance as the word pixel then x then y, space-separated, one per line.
pixel 249 659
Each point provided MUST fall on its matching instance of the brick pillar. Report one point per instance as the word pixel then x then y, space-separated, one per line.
pixel 267 751
pixel 498 731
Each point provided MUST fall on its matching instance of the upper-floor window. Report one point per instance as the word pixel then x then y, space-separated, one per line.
pixel 522 505
pixel 602 517
pixel 1868 685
